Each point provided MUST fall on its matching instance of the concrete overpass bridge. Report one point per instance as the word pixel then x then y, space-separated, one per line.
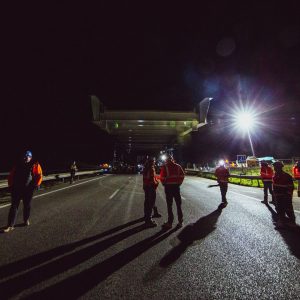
pixel 149 130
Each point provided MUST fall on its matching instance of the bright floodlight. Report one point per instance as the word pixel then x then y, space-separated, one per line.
pixel 221 162
pixel 163 157
pixel 245 120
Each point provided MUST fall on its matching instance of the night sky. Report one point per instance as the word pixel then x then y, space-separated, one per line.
pixel 147 56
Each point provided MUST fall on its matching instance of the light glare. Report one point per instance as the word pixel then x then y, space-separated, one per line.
pixel 245 120
pixel 221 162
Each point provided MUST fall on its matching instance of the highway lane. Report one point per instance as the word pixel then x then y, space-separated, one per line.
pixel 87 241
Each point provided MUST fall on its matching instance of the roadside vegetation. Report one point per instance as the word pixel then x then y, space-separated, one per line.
pixel 254 182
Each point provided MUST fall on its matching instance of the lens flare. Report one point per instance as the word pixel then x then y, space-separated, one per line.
pixel 245 121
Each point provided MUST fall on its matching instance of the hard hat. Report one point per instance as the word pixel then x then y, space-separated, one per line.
pixel 28 154
pixel 169 156
pixel 278 164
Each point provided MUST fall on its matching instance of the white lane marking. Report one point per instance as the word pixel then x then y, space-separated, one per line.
pixel 115 193
pixel 297 211
pixel 4 205
pixel 64 188
pixel 68 187
pixel 244 195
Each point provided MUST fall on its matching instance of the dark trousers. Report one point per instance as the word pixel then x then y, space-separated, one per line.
pixel 173 191
pixel 268 187
pixel 150 197
pixel 72 178
pixel 223 189
pixel 17 195
pixel 284 206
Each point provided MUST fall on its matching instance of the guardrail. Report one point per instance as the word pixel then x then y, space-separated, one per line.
pixel 57 176
pixel 242 179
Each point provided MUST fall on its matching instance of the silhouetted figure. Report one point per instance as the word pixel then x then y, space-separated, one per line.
pixel 283 187
pixel 22 180
pixel 266 174
pixel 222 175
pixel 172 176
pixel 150 184
pixel 73 169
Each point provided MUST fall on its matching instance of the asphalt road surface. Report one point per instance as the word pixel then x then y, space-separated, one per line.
pixel 87 241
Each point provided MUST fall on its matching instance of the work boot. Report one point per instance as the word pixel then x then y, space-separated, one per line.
pixel 150 223
pixel 26 223
pixel 156 215
pixel 8 229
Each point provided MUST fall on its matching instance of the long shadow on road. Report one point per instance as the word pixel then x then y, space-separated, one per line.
pixel 53 267
pixel 40 258
pixel 291 236
pixel 191 233
pixel 79 284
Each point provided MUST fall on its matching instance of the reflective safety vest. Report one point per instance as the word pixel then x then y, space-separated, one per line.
pixel 149 177
pixel 283 184
pixel 266 173
pixel 222 174
pixel 296 172
pixel 35 176
pixel 171 173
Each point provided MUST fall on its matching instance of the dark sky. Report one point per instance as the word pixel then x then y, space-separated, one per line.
pixel 163 56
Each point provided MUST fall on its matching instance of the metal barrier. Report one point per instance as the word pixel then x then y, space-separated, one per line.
pixel 242 179
pixel 57 176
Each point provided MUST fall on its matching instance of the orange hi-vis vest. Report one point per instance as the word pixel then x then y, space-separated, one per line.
pixel 296 172
pixel 171 173
pixel 266 173
pixel 36 173
pixel 222 174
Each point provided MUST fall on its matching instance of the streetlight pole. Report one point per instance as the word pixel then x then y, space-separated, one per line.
pixel 250 141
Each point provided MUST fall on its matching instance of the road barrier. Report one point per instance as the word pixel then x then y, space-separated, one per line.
pixel 62 176
pixel 247 180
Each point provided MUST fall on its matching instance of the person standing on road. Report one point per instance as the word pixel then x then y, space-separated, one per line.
pixel 266 174
pixel 222 175
pixel 296 174
pixel 22 180
pixel 150 184
pixel 73 169
pixel 283 188
pixel 172 176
